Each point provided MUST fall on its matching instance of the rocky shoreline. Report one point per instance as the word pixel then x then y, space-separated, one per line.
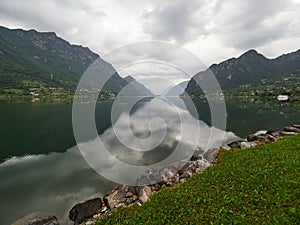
pixel 93 210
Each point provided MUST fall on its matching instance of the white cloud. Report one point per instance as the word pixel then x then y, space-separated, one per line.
pixel 213 29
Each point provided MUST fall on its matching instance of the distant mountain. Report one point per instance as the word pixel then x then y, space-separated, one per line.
pixel 142 90
pixel 177 90
pixel 33 58
pixel 249 68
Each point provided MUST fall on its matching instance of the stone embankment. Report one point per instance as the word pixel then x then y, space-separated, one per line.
pixel 93 210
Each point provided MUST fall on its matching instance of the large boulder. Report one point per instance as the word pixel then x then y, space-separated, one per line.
pixel 144 193
pixel 235 144
pixel 286 133
pixel 82 211
pixel 252 137
pixel 292 129
pixel 245 144
pixel 48 220
pixel 211 155
pixel 120 196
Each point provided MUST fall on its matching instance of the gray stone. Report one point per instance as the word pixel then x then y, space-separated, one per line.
pixel 252 137
pixel 235 144
pixel 117 197
pixel 169 176
pixel 272 138
pixel 275 134
pixel 285 133
pixel 48 220
pixel 296 126
pixel 263 138
pixel 225 147
pixel 144 193
pixel 195 157
pixel 292 129
pixel 82 211
pixel 186 174
pixel 202 165
pixel 211 155
pixel 245 145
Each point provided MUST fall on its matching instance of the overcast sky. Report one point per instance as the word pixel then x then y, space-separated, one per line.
pixel 214 30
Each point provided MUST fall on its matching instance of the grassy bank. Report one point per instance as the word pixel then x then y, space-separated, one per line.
pixel 252 186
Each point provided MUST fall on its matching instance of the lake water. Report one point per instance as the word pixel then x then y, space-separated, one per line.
pixel 42 171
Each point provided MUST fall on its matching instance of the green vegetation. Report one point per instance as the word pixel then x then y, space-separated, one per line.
pixel 44 95
pixel 267 90
pixel 252 72
pixel 46 65
pixel 252 186
pixel 41 67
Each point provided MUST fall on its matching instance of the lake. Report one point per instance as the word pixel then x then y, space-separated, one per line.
pixel 42 172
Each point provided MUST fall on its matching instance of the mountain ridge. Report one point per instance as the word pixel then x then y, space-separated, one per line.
pixel 249 68
pixel 33 58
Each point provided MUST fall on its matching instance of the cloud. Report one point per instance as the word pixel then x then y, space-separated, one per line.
pixel 178 21
pixel 251 24
pixel 213 29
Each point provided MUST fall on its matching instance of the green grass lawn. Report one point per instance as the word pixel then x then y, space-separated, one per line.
pixel 252 186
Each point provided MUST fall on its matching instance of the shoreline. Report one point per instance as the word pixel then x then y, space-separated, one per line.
pixel 123 196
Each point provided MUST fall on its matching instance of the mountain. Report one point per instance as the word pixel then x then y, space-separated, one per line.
pixel 249 68
pixel 138 86
pixel 177 89
pixel 31 58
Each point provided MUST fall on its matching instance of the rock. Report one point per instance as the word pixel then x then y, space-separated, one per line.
pixel 272 138
pixel 211 155
pixel 285 133
pixel 252 138
pixel 296 126
pixel 202 165
pixel 275 134
pixel 263 138
pixel 104 209
pixel 135 198
pixel 129 194
pixel 117 197
pixel 186 174
pixel 182 166
pixel 155 187
pixel 225 147
pixel 245 145
pixel 169 176
pixel 235 144
pixel 48 220
pixel 192 167
pixel 182 180
pixel 144 193
pixel 143 180
pixel 195 157
pixel 292 129
pixel 150 176
pixel 85 210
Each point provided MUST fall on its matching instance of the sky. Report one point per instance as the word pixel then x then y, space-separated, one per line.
pixel 214 30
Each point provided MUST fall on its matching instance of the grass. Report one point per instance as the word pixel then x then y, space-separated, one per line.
pixel 252 186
